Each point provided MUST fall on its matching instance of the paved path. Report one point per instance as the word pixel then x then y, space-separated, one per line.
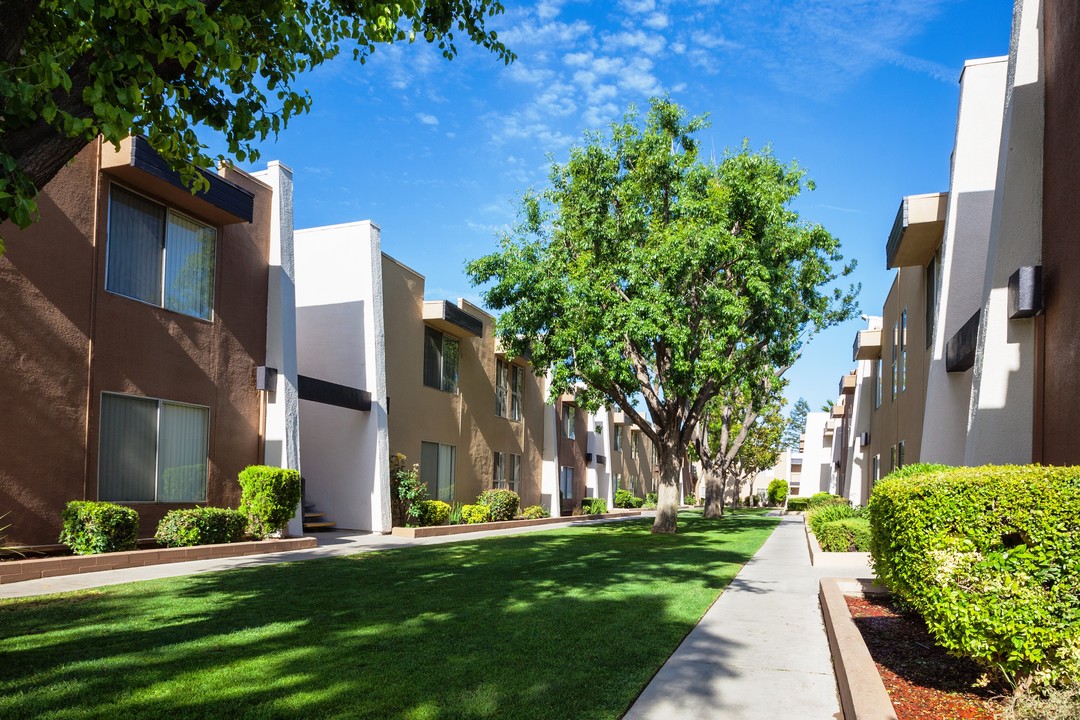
pixel 331 544
pixel 760 652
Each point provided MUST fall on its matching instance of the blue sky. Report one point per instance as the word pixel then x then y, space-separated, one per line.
pixel 862 93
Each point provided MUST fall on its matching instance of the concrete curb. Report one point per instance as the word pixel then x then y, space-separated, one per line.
pixel 820 558
pixel 862 693
pixel 440 530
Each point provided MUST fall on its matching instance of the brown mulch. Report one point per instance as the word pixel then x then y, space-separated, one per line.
pixel 924 683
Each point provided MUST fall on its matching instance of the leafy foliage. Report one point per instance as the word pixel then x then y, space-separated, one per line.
pixel 472 514
pixel 990 558
pixel 825 512
pixel 851 534
pixel 593 506
pixel 4 548
pixel 627 499
pixel 98 527
pixel 798 504
pixel 535 512
pixel 503 503
pixel 407 491
pixel 268 497
pixel 71 70
pixel 777 491
pixel 796 424
pixel 200 526
pixel 433 512
pixel 821 499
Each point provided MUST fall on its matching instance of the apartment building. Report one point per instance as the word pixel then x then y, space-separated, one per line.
pixel 632 457
pixel 137 318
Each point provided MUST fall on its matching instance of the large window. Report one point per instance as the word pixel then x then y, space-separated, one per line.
pixel 509 383
pixel 159 256
pixel 513 473
pixel 437 470
pixel 569 414
pixel 152 450
pixel 517 390
pixel 502 386
pixel 903 350
pixel 566 483
pixel 507 472
pixel 440 360
pixel 633 445
pixel 618 439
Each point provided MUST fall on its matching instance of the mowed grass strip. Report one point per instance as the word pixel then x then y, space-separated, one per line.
pixel 568 623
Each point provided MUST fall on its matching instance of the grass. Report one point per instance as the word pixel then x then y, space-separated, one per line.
pixel 568 623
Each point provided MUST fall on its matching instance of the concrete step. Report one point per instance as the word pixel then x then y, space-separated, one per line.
pixel 308 526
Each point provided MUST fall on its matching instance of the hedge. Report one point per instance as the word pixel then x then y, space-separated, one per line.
pixel 535 512
pixel 627 499
pixel 472 514
pixel 503 503
pixel 200 526
pixel 594 506
pixel 98 527
pixel 268 497
pixel 434 512
pixel 990 557
pixel 818 516
pixel 851 534
pixel 798 504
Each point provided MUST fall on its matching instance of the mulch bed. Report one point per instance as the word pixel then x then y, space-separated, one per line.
pixel 924 683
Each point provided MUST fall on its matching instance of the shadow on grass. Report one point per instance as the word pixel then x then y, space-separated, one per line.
pixel 562 624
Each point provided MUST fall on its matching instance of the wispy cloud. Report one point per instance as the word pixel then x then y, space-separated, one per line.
pixel 427 119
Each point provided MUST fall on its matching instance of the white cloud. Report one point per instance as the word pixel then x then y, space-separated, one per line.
pixel 638 7
pixel 427 119
pixel 657 21
pixel 548 9
pixel 648 43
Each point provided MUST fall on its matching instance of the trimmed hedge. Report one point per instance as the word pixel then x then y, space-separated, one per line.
pixel 798 504
pixel 851 534
pixel 818 516
pixel 473 514
pixel 777 491
pixel 823 498
pixel 990 557
pixel 434 512
pixel 535 512
pixel 268 497
pixel 98 527
pixel 594 506
pixel 627 499
pixel 200 526
pixel 503 503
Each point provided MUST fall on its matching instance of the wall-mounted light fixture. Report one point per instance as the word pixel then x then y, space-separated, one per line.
pixel 265 378
pixel 1025 292
pixel 864 439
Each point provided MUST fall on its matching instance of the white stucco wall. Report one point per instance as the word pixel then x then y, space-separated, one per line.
pixel 1002 395
pixel 341 340
pixel 602 444
pixel 817 455
pixel 964 252
pixel 858 468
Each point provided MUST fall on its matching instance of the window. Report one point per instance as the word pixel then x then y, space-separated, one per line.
pixel 506 474
pixel 875 468
pixel 616 480
pixel 437 470
pixel 633 445
pixel 158 256
pixel 502 383
pixel 513 475
pixel 931 298
pixel 517 389
pixel 566 483
pixel 440 360
pixel 652 453
pixel 618 439
pixel 498 480
pixel 900 455
pixel 878 370
pixel 152 450
pixel 895 350
pixel 569 415
pixel 903 350
pixel 892 458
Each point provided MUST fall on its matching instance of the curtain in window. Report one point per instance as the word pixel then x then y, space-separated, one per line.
pixel 136 229
pixel 182 453
pixel 189 266
pixel 128 448
pixel 515 473
pixel 447 456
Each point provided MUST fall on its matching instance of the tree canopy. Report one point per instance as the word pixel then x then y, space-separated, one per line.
pixel 71 70
pixel 644 274
pixel 796 424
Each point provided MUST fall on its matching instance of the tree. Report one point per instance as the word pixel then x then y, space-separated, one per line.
pixel 796 424
pixel 762 447
pixel 71 70
pixel 642 272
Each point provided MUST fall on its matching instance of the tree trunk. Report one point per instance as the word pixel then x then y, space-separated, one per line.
pixel 714 495
pixel 668 500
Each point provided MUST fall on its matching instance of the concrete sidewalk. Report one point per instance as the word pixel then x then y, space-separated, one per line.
pixel 760 652
pixel 331 544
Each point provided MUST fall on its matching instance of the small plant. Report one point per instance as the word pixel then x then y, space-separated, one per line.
pixel 851 534
pixel 455 513
pixel 824 498
pixel 798 504
pixel 407 491
pixel 535 512
pixel 818 516
pixel 200 526
pixel 99 527
pixel 777 491
pixel 627 499
pixel 433 512
pixel 593 506
pixel 652 498
pixel 503 503
pixel 6 549
pixel 268 497
pixel 473 514
pixel 690 499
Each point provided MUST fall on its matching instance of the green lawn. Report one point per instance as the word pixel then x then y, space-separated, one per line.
pixel 560 624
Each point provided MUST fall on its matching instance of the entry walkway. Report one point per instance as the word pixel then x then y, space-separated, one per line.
pixel 760 652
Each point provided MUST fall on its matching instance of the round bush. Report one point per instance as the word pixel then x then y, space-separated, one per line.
pixel 433 512
pixel 503 503
pixel 777 491
pixel 472 514
pixel 818 516
pixel 847 535
pixel 268 497
pixel 627 499
pixel 99 527
pixel 593 506
pixel 535 512
pixel 200 526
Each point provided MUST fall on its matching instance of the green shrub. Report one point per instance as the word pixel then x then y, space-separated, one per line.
pixel 407 490
pixel 268 497
pixel 433 512
pixel 503 503
pixel 99 527
pixel 627 499
pixel 990 557
pixel 798 504
pixel 818 516
pixel 651 499
pixel 535 512
pixel 823 498
pixel 850 534
pixel 455 513
pixel 200 526
pixel 472 514
pixel 594 506
pixel 777 492
pixel 689 499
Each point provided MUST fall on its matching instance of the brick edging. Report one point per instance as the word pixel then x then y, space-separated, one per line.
pixel 37 568
pixel 862 692
pixel 441 530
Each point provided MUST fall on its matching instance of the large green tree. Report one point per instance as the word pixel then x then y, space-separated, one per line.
pixel 71 70
pixel 796 424
pixel 643 276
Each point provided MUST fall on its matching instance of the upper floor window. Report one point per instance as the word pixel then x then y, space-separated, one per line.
pixel 618 439
pixel 159 256
pixel 569 415
pixel 900 455
pixel 931 297
pixel 509 383
pixel 517 390
pixel 633 445
pixel 441 353
pixel 152 450
pixel 502 386
pixel 877 383
pixel 875 468
pixel 903 350
pixel 895 356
